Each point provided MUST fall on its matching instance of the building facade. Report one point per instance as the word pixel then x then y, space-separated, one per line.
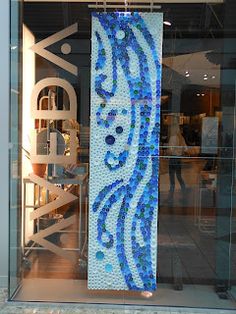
pixel 118 173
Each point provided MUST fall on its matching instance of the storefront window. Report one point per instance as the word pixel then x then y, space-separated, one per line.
pixel 89 73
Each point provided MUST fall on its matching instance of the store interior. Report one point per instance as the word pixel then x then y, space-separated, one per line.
pixel 193 89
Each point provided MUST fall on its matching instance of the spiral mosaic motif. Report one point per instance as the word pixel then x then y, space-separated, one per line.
pixel 125 126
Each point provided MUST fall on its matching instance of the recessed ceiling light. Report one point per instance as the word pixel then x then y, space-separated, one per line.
pixel 187 74
pixel 213 77
pixel 167 23
pixel 13 47
pixel 198 95
pixel 203 94
pixel 205 75
pixel 205 78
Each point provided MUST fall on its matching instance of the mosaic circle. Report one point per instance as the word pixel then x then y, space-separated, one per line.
pixel 100 255
pixel 110 140
pixel 119 130
pixel 108 268
pixel 120 34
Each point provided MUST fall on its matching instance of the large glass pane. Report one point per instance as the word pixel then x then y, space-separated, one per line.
pixel 15 159
pixel 225 225
pixel 195 233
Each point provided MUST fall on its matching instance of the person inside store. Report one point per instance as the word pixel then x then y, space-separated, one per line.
pixel 176 149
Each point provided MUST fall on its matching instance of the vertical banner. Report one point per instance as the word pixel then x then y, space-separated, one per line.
pixel 124 166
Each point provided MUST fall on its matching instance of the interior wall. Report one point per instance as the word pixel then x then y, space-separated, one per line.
pixel 4 125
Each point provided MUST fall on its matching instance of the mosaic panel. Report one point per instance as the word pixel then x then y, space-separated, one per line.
pixel 125 125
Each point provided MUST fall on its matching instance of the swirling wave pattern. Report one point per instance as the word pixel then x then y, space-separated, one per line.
pixel 125 96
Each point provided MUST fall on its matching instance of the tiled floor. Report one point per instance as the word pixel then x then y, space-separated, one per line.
pixel 57 308
pixel 76 291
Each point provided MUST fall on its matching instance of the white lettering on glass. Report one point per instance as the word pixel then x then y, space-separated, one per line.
pixel 39 48
pixel 53 113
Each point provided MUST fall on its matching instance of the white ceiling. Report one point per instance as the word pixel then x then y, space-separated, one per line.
pixel 196 65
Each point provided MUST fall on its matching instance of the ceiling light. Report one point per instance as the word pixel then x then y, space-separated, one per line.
pixel 205 75
pixel 213 77
pixel 203 94
pixel 187 73
pixel 167 23
pixel 13 47
pixel 198 95
pixel 205 78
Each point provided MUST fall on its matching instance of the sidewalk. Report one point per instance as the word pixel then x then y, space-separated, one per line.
pixel 68 308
